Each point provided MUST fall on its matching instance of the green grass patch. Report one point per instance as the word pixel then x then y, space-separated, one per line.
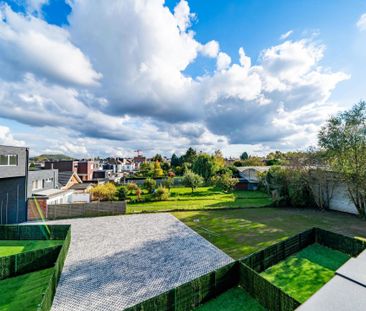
pixel 241 232
pixel 302 274
pixel 12 247
pixel 235 299
pixel 182 198
pixel 24 292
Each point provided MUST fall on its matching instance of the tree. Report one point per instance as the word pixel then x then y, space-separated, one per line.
pixel 192 180
pixel 190 155
pixel 157 157
pixel 158 172
pixel 104 192
pixel 168 182
pixel 244 156
pixel 149 184
pixel 344 139
pixel 205 166
pixel 175 161
pixel 226 182
pixel 253 161
pixel 219 159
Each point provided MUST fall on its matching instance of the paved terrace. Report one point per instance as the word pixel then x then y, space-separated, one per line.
pixel 116 262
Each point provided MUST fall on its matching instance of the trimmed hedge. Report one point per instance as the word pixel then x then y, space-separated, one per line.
pixel 345 244
pixel 46 303
pixel 193 293
pixel 28 261
pixel 269 295
pixel 245 272
pixel 33 232
pixel 37 259
pixel 266 293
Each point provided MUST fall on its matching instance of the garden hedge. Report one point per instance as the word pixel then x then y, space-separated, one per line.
pixel 33 232
pixel 246 273
pixel 37 259
pixel 272 297
pixel 30 261
pixel 46 303
pixel 193 293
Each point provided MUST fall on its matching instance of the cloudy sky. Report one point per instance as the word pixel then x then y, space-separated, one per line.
pixel 90 77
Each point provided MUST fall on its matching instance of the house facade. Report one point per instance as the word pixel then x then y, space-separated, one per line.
pixel 13 184
pixel 83 168
pixel 39 180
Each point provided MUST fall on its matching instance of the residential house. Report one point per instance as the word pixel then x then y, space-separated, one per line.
pixel 83 168
pixel 67 179
pixel 249 177
pixel 13 184
pixel 39 180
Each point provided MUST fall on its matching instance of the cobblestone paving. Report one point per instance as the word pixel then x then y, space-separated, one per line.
pixel 116 262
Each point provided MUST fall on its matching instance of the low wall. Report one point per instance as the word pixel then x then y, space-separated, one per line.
pixel 64 211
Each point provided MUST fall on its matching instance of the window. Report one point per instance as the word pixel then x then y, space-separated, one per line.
pixel 9 160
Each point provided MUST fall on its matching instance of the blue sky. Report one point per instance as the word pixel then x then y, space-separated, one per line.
pixel 121 69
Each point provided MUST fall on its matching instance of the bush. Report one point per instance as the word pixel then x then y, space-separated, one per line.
pixel 122 193
pixel 132 187
pixel 162 194
pixel 149 184
pixel 104 192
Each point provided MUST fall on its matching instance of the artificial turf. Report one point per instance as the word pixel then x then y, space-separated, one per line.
pixel 235 299
pixel 24 292
pixel 302 274
pixel 12 247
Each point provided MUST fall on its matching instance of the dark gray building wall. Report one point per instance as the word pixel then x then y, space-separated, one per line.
pixel 51 175
pixel 13 203
pixel 22 167
pixel 13 187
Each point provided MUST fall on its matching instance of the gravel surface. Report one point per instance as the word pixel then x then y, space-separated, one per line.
pixel 116 262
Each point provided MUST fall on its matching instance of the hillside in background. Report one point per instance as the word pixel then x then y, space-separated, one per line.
pixel 50 157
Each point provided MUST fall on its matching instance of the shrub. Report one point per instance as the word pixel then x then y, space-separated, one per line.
pixel 138 193
pixel 149 184
pixel 121 193
pixel 162 194
pixel 132 187
pixel 104 192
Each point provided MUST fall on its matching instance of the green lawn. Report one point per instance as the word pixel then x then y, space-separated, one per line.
pixel 12 247
pixel 24 292
pixel 235 299
pixel 202 198
pixel 241 232
pixel 302 274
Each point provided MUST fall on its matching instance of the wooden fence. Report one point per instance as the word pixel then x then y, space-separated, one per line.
pixel 63 211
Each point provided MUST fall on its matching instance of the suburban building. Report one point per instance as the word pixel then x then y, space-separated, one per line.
pixel 13 184
pixel 39 180
pixel 249 177
pixel 83 168
pixel 67 179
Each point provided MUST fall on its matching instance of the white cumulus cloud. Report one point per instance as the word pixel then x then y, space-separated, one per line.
pixel 361 23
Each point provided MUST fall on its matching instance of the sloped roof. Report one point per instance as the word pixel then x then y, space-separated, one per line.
pixel 64 177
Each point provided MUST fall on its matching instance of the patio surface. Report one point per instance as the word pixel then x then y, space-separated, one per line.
pixel 116 262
